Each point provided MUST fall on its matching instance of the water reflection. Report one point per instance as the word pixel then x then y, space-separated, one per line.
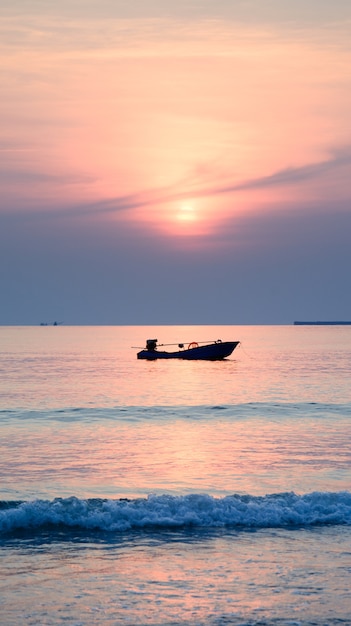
pixel 62 366
pixel 107 458
pixel 223 578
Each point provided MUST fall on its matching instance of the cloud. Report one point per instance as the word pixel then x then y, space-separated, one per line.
pixel 285 177
pixel 279 11
pixel 291 175
pixel 75 26
pixel 17 176
pixel 190 188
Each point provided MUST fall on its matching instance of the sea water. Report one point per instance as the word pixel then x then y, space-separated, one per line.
pixel 175 492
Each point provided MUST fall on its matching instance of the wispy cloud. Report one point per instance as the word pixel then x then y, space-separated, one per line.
pixel 180 191
pixel 290 175
pixel 285 177
pixel 193 188
pixel 23 176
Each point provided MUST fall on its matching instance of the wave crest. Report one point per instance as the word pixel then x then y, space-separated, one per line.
pixel 176 512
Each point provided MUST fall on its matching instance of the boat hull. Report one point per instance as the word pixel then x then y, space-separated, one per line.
pixel 211 352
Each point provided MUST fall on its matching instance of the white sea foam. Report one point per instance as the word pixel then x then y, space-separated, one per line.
pixel 167 512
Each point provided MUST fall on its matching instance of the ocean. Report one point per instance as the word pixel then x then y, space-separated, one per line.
pixel 175 492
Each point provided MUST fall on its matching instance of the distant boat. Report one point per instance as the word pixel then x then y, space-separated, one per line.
pixel 214 351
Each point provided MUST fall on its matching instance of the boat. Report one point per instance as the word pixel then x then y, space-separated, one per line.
pixel 209 351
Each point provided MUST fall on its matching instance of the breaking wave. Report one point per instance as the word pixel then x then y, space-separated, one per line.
pixel 177 512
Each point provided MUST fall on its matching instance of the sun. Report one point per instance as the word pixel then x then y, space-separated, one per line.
pixel 186 213
pixel 187 217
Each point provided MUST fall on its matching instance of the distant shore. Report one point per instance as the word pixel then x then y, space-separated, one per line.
pixel 322 323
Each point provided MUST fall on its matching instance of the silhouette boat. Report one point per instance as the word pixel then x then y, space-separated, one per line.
pixel 214 351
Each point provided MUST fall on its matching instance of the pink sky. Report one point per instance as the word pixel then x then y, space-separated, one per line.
pixel 175 122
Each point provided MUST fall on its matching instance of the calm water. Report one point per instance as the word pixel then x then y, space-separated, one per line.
pixel 175 492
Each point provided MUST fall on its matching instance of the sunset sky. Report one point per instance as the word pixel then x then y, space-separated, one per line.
pixel 179 162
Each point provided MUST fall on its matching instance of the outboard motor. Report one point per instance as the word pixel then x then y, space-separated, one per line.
pixel 151 345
